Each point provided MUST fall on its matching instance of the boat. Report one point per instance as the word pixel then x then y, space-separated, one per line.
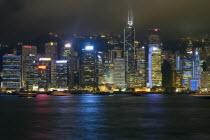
pixel 60 93
pixel 27 94
pixel 201 95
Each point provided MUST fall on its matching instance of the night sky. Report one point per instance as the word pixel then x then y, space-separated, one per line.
pixel 26 19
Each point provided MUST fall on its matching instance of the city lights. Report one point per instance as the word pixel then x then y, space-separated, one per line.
pixel 89 48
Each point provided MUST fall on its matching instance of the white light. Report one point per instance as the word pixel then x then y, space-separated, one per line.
pixel 154 48
pixel 44 59
pixel 143 47
pixel 67 45
pixel 89 48
pixel 190 52
pixel 61 61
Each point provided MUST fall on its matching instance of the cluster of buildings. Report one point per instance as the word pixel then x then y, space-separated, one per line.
pixel 123 64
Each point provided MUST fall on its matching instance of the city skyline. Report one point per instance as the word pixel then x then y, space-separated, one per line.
pixel 23 20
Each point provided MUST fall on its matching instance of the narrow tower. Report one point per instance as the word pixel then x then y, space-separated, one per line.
pixel 129 52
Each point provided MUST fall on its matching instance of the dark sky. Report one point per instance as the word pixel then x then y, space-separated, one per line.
pixel 26 19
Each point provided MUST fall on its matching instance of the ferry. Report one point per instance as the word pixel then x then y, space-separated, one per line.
pixel 60 93
pixel 27 94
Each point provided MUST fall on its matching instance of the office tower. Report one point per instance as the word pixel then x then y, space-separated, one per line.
pixel 141 66
pixel 108 73
pixel 129 52
pixel 11 72
pixel 100 68
pixel 176 78
pixel 51 51
pixel 68 54
pixel 189 48
pixel 154 59
pixel 177 66
pixel 115 53
pixel 119 73
pixel 44 74
pixel 27 50
pixel 187 71
pixel 88 75
pixel 31 72
pixel 197 67
pixel 62 74
pixel 205 81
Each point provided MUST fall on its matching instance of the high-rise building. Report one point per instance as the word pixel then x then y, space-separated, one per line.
pixel 176 78
pixel 154 59
pixel 31 72
pixel 115 53
pixel 44 74
pixel 187 71
pixel 141 66
pixel 27 50
pixel 108 73
pixel 119 73
pixel 205 81
pixel 88 75
pixel 62 74
pixel 11 72
pixel 51 50
pixel 129 52
pixel 68 54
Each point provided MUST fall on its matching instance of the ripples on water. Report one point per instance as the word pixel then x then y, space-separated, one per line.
pixel 104 117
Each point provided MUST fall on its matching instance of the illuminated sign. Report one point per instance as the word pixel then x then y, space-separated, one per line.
pixel 44 59
pixel 29 47
pixel 87 48
pixel 67 45
pixel 43 67
pixel 61 61
pixel 156 30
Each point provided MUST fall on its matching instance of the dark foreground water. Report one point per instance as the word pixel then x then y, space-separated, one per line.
pixel 104 117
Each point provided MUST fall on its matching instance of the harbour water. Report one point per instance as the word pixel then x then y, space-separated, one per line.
pixel 90 117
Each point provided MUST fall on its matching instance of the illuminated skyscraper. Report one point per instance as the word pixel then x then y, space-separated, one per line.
pixel 11 72
pixel 68 54
pixel 154 59
pixel 31 72
pixel 27 51
pixel 141 67
pixel 129 52
pixel 62 74
pixel 51 51
pixel 44 74
pixel 187 71
pixel 119 73
pixel 88 75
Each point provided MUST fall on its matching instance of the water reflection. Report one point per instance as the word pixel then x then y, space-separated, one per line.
pixel 104 117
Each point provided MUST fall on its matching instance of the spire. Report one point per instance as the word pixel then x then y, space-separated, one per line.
pixel 130 18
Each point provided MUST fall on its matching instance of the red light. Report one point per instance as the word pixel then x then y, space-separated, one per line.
pixel 156 30
pixel 42 67
pixel 10 54
pixel 27 47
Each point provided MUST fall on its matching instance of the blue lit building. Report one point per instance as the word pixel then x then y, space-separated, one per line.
pixel 187 71
pixel 11 72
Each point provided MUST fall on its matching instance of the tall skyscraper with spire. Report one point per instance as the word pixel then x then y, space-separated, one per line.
pixel 129 52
